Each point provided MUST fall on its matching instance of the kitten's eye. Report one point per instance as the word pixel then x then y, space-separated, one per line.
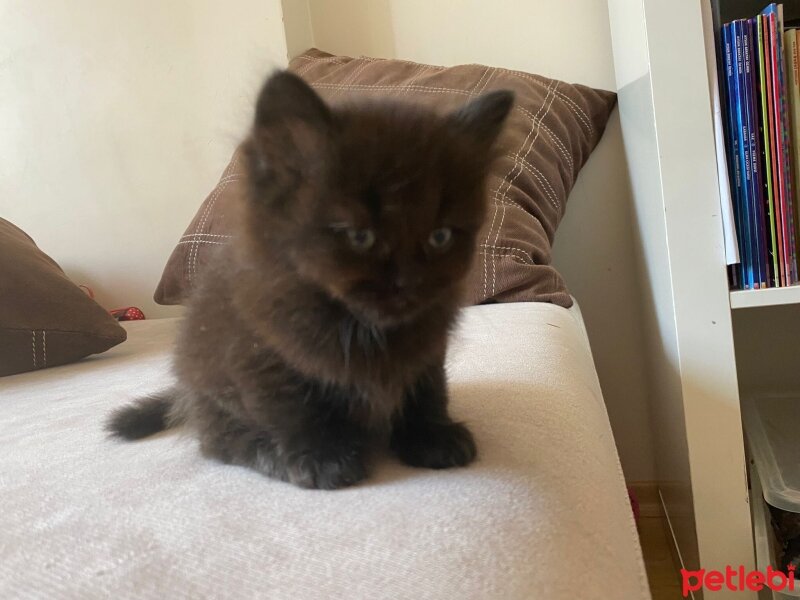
pixel 439 238
pixel 360 239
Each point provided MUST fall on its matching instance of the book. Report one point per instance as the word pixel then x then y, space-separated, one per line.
pixel 750 58
pixel 792 50
pixel 778 151
pixel 790 183
pixel 781 132
pixel 764 124
pixel 728 53
pixel 755 94
pixel 773 148
pixel 742 137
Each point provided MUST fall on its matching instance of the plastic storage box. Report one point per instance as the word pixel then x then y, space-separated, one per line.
pixel 772 427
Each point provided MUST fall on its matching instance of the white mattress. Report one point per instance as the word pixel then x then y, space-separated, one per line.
pixel 542 514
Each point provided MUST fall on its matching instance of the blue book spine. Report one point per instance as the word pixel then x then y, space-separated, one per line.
pixel 742 136
pixel 732 142
pixel 757 187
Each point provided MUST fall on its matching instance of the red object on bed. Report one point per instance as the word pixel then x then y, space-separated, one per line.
pixel 129 313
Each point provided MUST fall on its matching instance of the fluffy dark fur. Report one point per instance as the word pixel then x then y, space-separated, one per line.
pixel 324 323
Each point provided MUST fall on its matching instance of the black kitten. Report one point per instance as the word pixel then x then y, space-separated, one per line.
pixel 325 321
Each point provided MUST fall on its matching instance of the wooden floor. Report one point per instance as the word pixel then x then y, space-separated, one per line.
pixel 662 572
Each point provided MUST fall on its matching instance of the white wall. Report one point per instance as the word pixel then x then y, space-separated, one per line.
pixel 595 247
pixel 116 119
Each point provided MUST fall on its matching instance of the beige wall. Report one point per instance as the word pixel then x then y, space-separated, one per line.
pixel 595 243
pixel 116 119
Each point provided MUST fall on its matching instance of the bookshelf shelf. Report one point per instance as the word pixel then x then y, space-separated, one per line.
pixel 768 297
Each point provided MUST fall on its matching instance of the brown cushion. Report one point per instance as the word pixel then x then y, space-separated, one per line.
pixel 548 137
pixel 45 319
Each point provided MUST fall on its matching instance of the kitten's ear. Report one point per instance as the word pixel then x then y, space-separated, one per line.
pixel 483 117
pixel 291 131
pixel 286 97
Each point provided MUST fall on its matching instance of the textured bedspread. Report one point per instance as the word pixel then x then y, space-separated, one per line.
pixel 542 514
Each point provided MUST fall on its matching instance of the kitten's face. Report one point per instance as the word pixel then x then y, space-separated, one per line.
pixel 377 205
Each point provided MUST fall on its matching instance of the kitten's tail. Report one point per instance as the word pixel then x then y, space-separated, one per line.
pixel 144 417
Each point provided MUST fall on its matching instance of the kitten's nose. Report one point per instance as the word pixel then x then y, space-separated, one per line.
pixel 404 281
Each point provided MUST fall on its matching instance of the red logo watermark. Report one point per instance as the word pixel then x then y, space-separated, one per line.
pixel 736 579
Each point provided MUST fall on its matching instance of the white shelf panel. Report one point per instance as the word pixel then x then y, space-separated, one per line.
pixel 767 297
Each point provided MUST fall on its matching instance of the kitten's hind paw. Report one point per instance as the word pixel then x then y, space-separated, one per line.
pixel 435 445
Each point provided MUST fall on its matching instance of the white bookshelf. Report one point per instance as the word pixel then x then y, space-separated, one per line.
pixel 767 297
pixel 702 347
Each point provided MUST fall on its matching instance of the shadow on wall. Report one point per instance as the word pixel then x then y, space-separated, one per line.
pixel 595 250
pixel 101 293
pixel 353 27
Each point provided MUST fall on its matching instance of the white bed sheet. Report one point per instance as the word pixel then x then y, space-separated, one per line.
pixel 542 514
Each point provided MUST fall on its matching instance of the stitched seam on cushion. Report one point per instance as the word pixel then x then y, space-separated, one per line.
pixel 495 197
pixel 229 175
pixel 511 204
pixel 70 331
pixel 399 60
pixel 474 91
pixel 215 235
pixel 561 95
pixel 193 250
pixel 582 116
pixel 33 347
pixel 559 144
pixel 525 252
pixel 202 242
pixel 508 252
pixel 314 60
pixel 357 71
pixel 353 76
pixel 513 257
pixel 231 170
pixel 417 74
pixel 322 58
pixel 503 214
pixel 488 79
pixel 551 193
pixel 510 182
pixel 44 346
pixel 230 178
pixel 477 85
pixel 574 106
pixel 367 86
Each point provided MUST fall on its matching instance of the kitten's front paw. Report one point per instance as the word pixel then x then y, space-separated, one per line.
pixel 327 471
pixel 435 446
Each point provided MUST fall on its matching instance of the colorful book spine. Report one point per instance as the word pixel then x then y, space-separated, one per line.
pixel 782 144
pixel 792 46
pixel 742 137
pixel 779 175
pixel 787 144
pixel 734 163
pixel 754 141
pixel 774 145
pixel 764 124
pixel 759 110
